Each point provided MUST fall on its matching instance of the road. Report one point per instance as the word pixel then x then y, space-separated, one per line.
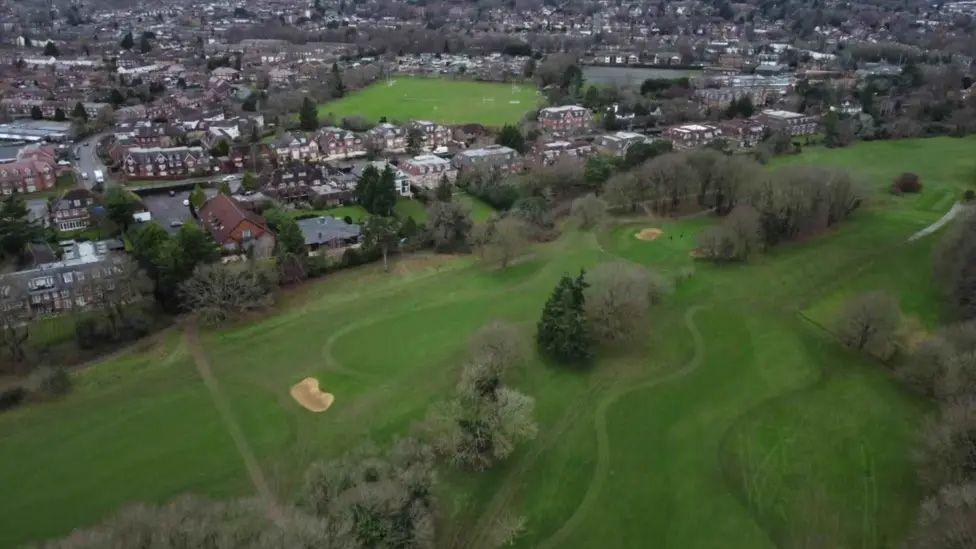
pixel 88 161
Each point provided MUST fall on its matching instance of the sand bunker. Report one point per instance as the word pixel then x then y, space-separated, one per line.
pixel 307 393
pixel 649 234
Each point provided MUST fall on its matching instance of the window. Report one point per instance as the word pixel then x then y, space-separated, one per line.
pixel 247 233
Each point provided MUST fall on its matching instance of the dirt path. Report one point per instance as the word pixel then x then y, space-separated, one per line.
pixel 602 469
pixel 955 210
pixel 254 471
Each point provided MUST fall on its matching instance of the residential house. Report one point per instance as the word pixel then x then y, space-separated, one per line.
pixel 690 136
pixel 426 170
pixel 33 170
pixel 617 143
pixel 84 277
pixel 166 163
pixel 433 137
pixel 792 123
pixel 295 146
pixel 72 210
pixel 328 233
pixel 492 158
pixel 552 152
pixel 337 143
pixel 745 133
pixel 235 228
pixel 388 137
pixel 565 120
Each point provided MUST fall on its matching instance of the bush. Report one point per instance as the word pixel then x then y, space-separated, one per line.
pixel 907 183
pixel 11 397
pixel 969 195
pixel 87 333
pixel 48 381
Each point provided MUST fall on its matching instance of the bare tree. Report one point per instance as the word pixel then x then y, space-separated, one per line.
pixel 869 322
pixel 617 300
pixel 948 519
pixel 947 453
pixel 507 240
pixel 589 211
pixel 218 292
pixel 486 419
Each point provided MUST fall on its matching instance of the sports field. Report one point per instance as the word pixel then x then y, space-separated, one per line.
pixel 738 421
pixel 437 99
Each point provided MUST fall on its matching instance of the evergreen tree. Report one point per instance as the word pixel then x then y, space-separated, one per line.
pixel 15 230
pixel 366 186
pixel 562 331
pixel 144 45
pixel 309 115
pixel 59 115
pixel 338 88
pixel 127 41
pixel 443 191
pixel 197 197
pixel 50 50
pixel 79 112
pixel 384 199
pixel 36 113
pixel 511 137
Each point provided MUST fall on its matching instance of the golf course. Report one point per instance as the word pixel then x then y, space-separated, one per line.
pixel 738 420
pixel 404 98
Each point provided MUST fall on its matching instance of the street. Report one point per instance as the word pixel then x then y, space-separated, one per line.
pixel 87 161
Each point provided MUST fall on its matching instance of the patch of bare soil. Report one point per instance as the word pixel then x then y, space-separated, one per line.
pixel 307 393
pixel 652 233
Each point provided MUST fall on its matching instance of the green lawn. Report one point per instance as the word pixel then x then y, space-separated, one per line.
pixel 736 421
pixel 437 99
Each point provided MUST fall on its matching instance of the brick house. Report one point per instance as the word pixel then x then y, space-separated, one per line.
pixel 493 158
pixel 166 163
pixel 565 120
pixel 79 281
pixel 388 137
pixel 552 152
pixel 745 133
pixel 336 143
pixel 72 210
pixel 235 228
pixel 792 123
pixel 425 171
pixel 432 136
pixel 33 170
pixel 295 146
pixel 617 143
pixel 690 136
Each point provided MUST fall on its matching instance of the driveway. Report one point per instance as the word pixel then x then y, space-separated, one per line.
pixel 168 210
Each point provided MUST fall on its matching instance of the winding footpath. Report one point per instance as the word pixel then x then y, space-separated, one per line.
pixel 955 210
pixel 602 469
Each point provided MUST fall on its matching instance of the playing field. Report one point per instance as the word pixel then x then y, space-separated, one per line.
pixel 437 99
pixel 737 422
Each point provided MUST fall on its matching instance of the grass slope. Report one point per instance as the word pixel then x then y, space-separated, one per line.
pixel 776 436
pixel 437 99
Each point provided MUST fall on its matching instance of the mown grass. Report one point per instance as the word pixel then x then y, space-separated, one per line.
pixel 779 436
pixel 437 99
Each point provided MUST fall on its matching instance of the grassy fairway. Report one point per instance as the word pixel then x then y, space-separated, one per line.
pixel 437 99
pixel 738 421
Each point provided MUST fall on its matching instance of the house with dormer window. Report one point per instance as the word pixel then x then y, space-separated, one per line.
pixel 166 163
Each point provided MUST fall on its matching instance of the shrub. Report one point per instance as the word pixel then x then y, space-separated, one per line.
pixel 969 195
pixel 87 333
pixel 907 183
pixel 48 381
pixel 11 397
